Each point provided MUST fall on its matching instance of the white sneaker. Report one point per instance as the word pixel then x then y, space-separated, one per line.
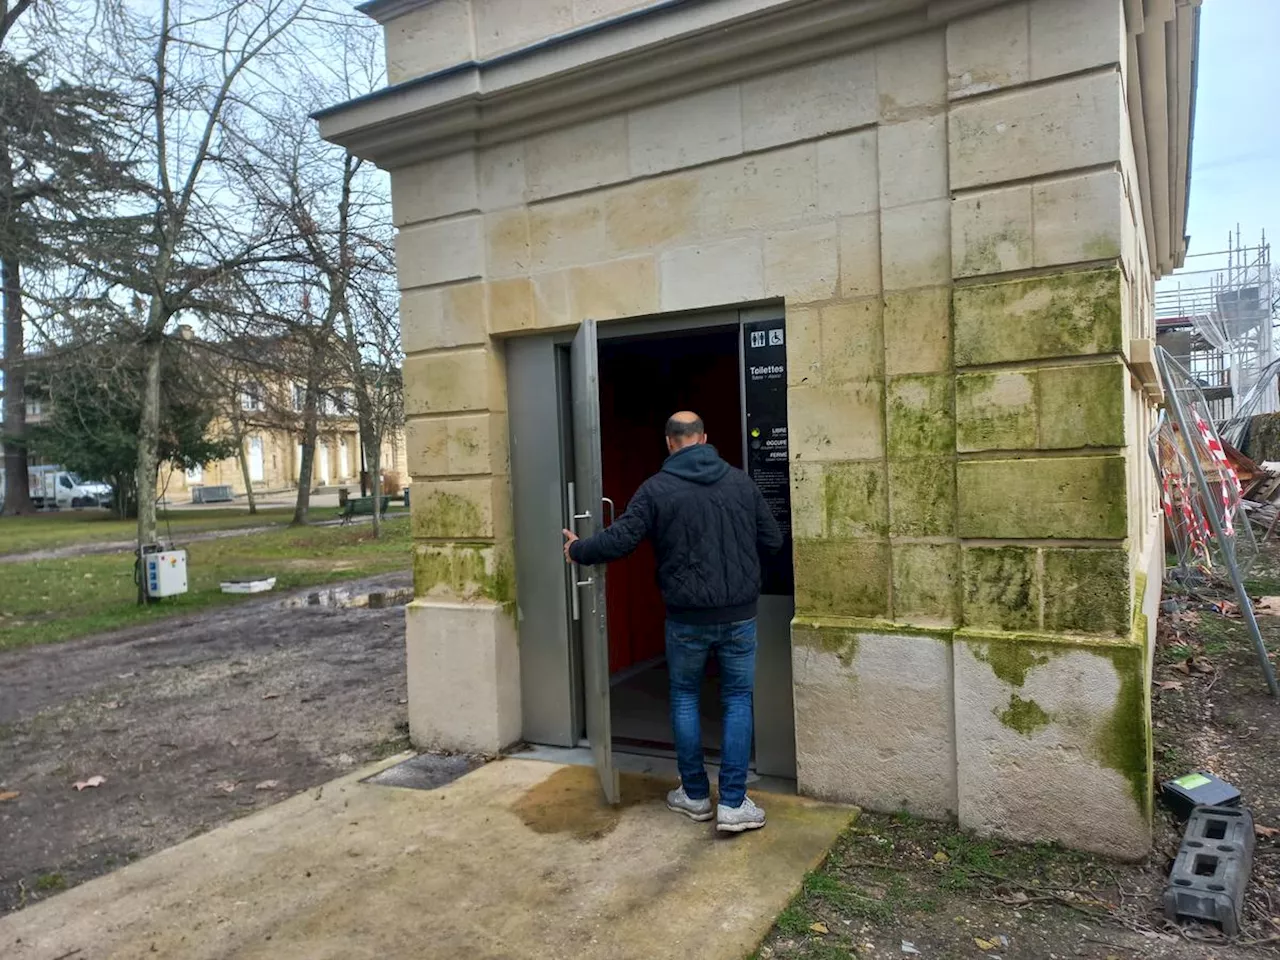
pixel 739 819
pixel 680 802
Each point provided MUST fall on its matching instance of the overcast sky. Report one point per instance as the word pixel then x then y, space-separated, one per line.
pixel 1235 165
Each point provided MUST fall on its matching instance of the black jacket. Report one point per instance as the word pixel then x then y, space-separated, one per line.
pixel 708 522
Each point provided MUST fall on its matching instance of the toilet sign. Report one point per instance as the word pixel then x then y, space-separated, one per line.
pixel 765 392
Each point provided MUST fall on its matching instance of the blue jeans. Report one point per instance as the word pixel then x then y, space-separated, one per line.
pixel 688 647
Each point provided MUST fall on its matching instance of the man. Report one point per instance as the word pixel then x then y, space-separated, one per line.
pixel 708 523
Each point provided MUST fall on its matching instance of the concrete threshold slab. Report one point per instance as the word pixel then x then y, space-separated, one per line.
pixel 517 859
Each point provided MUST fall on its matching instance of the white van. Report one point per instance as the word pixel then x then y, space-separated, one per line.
pixel 53 486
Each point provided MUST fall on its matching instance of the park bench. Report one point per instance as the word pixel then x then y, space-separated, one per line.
pixel 362 507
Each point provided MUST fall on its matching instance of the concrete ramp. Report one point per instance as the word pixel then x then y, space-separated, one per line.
pixel 516 859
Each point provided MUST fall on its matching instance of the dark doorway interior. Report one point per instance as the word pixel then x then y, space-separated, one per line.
pixel 642 382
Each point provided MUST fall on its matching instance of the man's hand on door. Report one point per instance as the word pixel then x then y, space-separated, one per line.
pixel 569 538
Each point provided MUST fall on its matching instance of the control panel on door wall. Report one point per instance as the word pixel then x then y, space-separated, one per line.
pixel 764 394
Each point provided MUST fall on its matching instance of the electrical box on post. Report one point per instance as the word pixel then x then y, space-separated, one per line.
pixel 166 573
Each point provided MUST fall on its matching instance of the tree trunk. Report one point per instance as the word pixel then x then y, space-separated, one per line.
pixel 149 442
pixel 375 475
pixel 17 492
pixel 237 427
pixel 310 427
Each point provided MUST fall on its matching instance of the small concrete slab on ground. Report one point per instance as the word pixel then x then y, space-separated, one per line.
pixel 516 859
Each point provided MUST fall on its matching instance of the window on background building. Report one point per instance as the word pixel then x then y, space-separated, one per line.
pixel 252 397
pixel 195 475
pixel 256 472
pixel 34 407
pixel 299 397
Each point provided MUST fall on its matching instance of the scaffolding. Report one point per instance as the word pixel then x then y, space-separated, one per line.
pixel 1217 319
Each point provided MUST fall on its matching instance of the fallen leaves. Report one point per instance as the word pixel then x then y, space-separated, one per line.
pixel 941 857
pixel 1267 606
pixel 9 795
pixel 982 944
pixel 1267 833
pixel 819 927
pixel 267 785
pixel 1169 684
pixel 227 786
pixel 95 781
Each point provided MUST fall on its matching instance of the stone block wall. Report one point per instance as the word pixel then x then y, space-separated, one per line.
pixel 951 221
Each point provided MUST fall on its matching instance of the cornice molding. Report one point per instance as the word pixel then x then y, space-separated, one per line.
pixel 384 11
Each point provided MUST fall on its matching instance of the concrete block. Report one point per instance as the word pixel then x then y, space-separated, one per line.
pixel 457 446
pixel 823 97
pixel 434 189
pixel 808 496
pixel 440 252
pixel 921 415
pixel 926 583
pixel 1001 588
pixel 996 411
pixel 911 76
pixel 647 216
pixel 457 381
pixel 505 24
pixel 873 719
pixel 431 319
pixel 618 288
pixel 551 300
pixel 1033 723
pixel 463 673
pixel 913 161
pixel 459 509
pixel 565 233
pixel 1037 131
pixel 1069 498
pixel 428 39
pixel 915 245
pixel 1079 218
pixel 685 132
pixel 989 51
pixel 860 255
pixel 922 497
pixel 853 341
pixel 501 176
pixel 588 11
pixel 803 264
pixel 855 499
pixel 1070 37
pixel 917 330
pixel 1083 406
pixel 848 174
pixel 1062 315
pixel 842 578
pixel 1087 591
pixel 506 238
pixel 991 232
pixel 836 422
pixel 511 305
pixel 576 158
pixel 763 192
pixel 713 274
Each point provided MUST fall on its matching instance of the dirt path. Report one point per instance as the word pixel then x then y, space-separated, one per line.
pixel 192 722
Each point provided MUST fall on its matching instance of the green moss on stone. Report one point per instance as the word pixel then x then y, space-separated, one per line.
pixel 1013 658
pixel 926 581
pixel 988 254
pixel 843 643
pixel 922 497
pixel 465 571
pixel 921 416
pixel 1024 716
pixel 1087 591
pixel 842 577
pixel 441 515
pixel 1076 498
pixel 856 498
pixel 1124 742
pixel 1082 406
pixel 1062 315
pixel 1001 588
pixel 996 411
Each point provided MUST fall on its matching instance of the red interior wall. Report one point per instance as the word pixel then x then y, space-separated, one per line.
pixel 642 382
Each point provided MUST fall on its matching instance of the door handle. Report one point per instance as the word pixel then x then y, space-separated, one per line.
pixel 613 510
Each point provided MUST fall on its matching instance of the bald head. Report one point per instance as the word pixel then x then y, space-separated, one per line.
pixel 684 429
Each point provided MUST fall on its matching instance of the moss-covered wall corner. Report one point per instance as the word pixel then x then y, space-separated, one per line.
pixel 466 572
pixel 842 636
pixel 440 514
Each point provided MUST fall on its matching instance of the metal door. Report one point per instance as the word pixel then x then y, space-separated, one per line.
pixel 586 508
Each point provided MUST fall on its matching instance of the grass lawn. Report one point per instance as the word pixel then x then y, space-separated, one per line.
pixel 45 601
pixel 48 531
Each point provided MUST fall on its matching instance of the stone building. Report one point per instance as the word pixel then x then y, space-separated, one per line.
pixel 900 255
